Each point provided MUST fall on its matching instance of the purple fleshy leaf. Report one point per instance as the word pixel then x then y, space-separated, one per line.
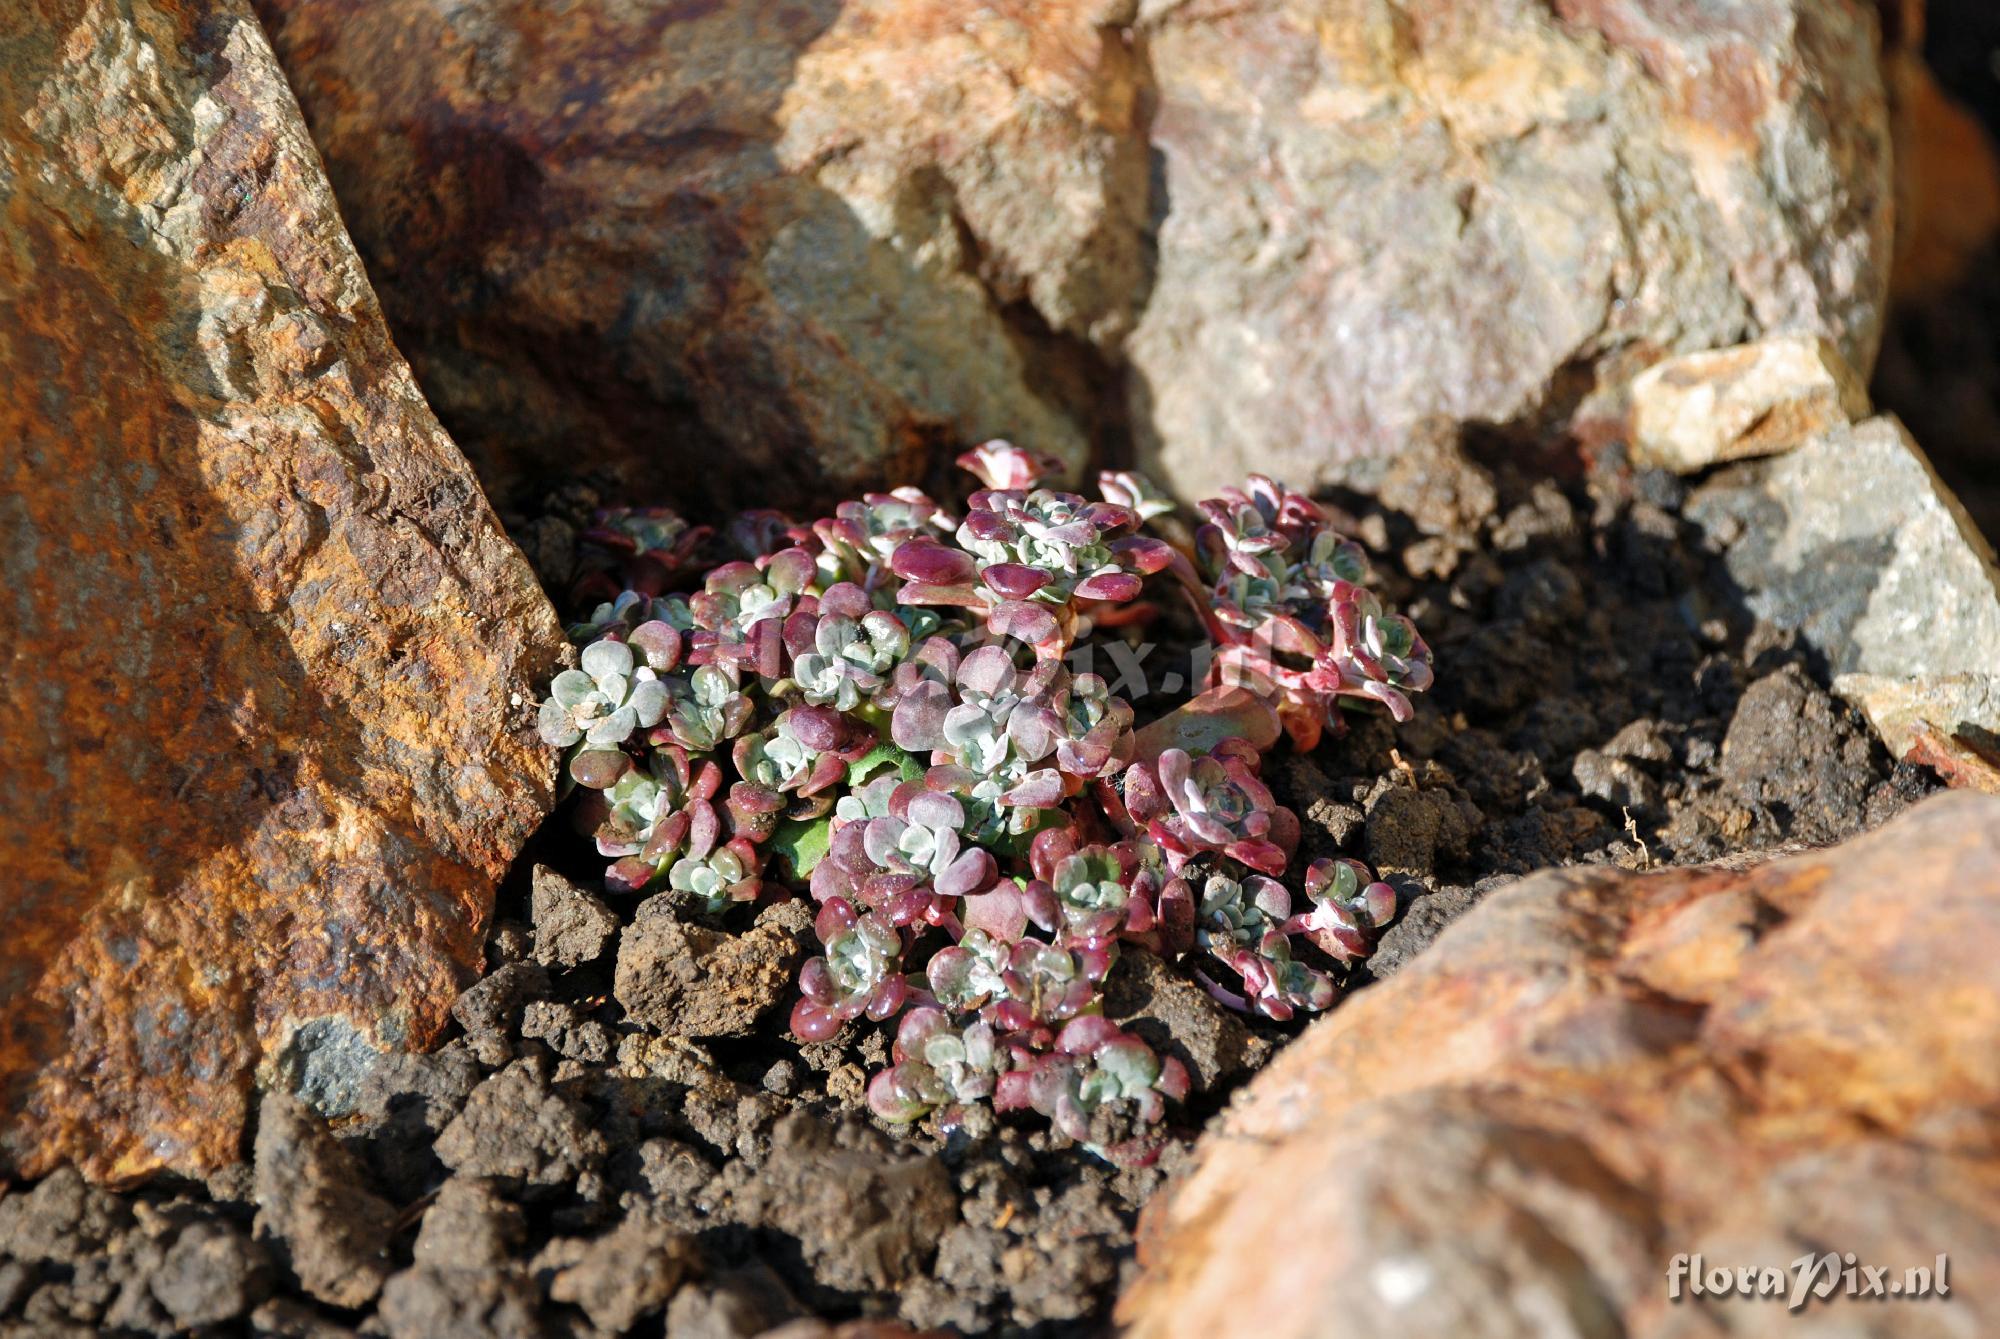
pixel 1116 586
pixel 1014 581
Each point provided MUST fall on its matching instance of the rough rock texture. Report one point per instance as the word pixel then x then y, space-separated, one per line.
pixel 826 241
pixel 810 239
pixel 1759 399
pixel 1591 1072
pixel 314 1204
pixel 264 741
pixel 687 980
pixel 1379 212
pixel 1376 212
pixel 572 924
pixel 1854 542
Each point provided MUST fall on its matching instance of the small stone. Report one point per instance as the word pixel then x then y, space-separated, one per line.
pixel 516 1129
pixel 61 1219
pixel 686 980
pixel 867 1218
pixel 1853 543
pixel 313 1203
pixel 567 1030
pixel 492 1006
pixel 469 1225
pixel 625 1275
pixel 573 926
pixel 428 1302
pixel 212 1273
pixel 1759 399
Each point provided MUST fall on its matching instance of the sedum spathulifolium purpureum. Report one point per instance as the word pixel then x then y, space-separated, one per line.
pixel 880 710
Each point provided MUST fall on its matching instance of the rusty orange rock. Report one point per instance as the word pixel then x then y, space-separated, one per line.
pixel 1594 1071
pixel 265 717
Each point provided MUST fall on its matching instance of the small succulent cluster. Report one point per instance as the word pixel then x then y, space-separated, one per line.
pixel 878 709
pixel 1282 595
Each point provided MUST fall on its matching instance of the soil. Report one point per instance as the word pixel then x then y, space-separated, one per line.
pixel 621 1136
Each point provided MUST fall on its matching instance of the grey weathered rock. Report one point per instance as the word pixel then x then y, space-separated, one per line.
pixel 1758 399
pixel 1497 212
pixel 1854 542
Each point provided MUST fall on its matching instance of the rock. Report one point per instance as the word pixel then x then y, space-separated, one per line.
pixel 866 1218
pixel 1854 543
pixel 427 1302
pixel 490 1010
pixel 469 1225
pixel 625 1275
pixel 572 925
pixel 314 1204
pixel 517 1130
pixel 1592 1072
pixel 267 744
pixel 685 980
pixel 61 1220
pixel 282 1318
pixel 567 1031
pixel 835 242
pixel 1702 409
pixel 212 1273
pixel 1373 214
pixel 739 1305
pixel 819 242
pixel 1947 175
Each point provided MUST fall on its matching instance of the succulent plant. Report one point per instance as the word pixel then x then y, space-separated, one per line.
pixel 999 464
pixel 805 750
pixel 719 877
pixel 858 539
pixel 937 1065
pixel 851 658
pixel 1212 803
pixel 707 708
pixel 1291 620
pixel 967 975
pixel 1093 896
pixel 605 701
pixel 1101 1086
pixel 1134 492
pixel 858 975
pixel 1348 908
pixel 1245 926
pixel 879 704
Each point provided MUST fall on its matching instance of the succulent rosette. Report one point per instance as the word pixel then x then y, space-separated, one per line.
pixel 1102 1087
pixel 1245 925
pixel 937 1065
pixel 1289 616
pixel 1213 803
pixel 877 708
pixel 858 975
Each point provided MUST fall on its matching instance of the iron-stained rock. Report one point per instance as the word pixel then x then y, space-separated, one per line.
pixel 265 737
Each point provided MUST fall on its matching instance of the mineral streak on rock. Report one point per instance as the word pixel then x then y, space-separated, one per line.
pixel 265 735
